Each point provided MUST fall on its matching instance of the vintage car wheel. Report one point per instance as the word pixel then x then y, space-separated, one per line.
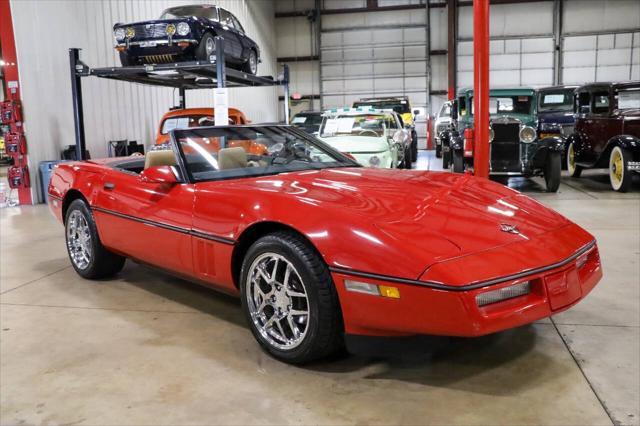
pixel 572 167
pixel 290 300
pixel 458 162
pixel 414 146
pixel 206 48
pixel 445 160
pixel 88 256
pixel 407 158
pixel 619 173
pixel 553 171
pixel 126 60
pixel 251 66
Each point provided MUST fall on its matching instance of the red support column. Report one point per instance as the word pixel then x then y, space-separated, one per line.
pixel 10 71
pixel 481 87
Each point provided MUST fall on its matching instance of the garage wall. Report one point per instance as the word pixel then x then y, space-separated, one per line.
pixel 44 30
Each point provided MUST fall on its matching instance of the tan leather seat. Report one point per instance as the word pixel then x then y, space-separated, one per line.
pixel 232 158
pixel 159 158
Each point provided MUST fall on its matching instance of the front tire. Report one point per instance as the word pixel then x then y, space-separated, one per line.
pixel 619 174
pixel 88 256
pixel 407 158
pixel 289 299
pixel 458 162
pixel 206 48
pixel 553 171
pixel 573 169
pixel 414 146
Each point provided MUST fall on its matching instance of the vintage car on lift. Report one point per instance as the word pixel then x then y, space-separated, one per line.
pixel 515 148
pixel 442 124
pixel 185 33
pixel 373 137
pixel 555 113
pixel 402 106
pixel 607 132
pixel 319 249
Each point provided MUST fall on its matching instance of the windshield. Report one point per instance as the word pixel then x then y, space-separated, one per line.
pixel 399 106
pixel 305 120
pixel 186 122
pixel 203 11
pixel 371 125
pixel 629 99
pixel 561 100
pixel 505 105
pixel 445 111
pixel 232 152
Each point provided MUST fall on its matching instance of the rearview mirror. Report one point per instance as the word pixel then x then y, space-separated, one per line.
pixel 159 174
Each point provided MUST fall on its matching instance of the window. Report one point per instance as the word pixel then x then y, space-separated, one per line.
pixel 556 101
pixel 584 103
pixel 204 11
pixel 225 18
pixel 506 105
pixel 462 106
pixel 600 102
pixel 445 111
pixel 236 23
pixel 629 99
pixel 235 152
pixel 186 122
pixel 369 125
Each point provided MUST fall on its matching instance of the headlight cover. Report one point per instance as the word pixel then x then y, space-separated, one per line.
pixel 374 161
pixel 527 134
pixel 183 29
pixel 119 34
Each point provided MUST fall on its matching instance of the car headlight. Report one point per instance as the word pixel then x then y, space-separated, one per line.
pixel 183 29
pixel 171 29
pixel 374 161
pixel 527 134
pixel 492 135
pixel 130 32
pixel 119 34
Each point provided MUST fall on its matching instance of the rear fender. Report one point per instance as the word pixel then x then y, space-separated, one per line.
pixel 627 142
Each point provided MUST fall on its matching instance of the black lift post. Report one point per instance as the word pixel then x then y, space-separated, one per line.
pixel 180 75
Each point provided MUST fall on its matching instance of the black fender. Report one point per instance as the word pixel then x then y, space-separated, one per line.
pixel 545 146
pixel 628 142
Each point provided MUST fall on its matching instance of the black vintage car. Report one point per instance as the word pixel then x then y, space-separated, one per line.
pixel 555 113
pixel 607 132
pixel 186 33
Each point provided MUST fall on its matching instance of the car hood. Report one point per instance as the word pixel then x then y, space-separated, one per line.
pixel 559 117
pixel 357 143
pixel 401 222
pixel 156 21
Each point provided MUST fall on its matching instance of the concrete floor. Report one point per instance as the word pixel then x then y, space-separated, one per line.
pixel 147 349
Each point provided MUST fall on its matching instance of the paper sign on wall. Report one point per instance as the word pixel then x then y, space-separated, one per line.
pixel 221 107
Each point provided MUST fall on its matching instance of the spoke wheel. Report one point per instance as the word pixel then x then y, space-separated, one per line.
pixel 277 301
pixel 79 241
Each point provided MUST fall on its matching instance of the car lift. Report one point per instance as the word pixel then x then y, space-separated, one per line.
pixel 181 75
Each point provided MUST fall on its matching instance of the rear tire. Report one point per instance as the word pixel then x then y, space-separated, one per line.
pixel 619 174
pixel 301 284
pixel 407 158
pixel 458 162
pixel 414 146
pixel 88 256
pixel 553 171
pixel 573 169
pixel 251 66
pixel 446 160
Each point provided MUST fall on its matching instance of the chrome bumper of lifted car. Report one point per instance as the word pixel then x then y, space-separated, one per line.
pixel 154 43
pixel 634 165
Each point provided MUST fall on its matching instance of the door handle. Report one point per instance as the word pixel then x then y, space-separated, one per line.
pixel 109 186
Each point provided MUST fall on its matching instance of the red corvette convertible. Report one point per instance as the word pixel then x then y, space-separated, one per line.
pixel 320 249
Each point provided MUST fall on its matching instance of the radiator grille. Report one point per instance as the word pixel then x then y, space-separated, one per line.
pixel 150 31
pixel 505 147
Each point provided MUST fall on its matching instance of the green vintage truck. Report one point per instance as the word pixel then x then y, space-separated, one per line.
pixel 515 145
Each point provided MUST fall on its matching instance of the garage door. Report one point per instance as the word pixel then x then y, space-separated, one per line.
pixel 374 54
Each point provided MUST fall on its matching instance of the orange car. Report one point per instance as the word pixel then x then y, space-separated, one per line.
pixel 198 117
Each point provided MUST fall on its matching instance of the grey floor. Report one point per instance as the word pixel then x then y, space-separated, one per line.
pixel 147 349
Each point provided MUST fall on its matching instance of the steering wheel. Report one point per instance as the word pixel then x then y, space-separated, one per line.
pixel 363 132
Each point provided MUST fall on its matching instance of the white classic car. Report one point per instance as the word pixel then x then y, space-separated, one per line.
pixel 373 137
pixel 442 124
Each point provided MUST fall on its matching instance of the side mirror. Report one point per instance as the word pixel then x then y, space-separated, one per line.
pixel 159 174
pixel 416 112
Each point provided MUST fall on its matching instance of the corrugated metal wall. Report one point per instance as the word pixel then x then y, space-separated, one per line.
pixel 44 31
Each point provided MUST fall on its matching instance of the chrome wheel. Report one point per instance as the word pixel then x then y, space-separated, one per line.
pixel 210 46
pixel 79 242
pixel 253 63
pixel 277 301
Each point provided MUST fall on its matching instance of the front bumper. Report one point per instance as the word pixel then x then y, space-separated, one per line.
pixel 452 312
pixel 151 47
